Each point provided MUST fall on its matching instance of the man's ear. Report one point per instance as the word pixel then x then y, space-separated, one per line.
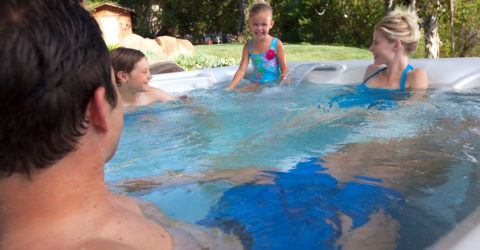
pixel 98 110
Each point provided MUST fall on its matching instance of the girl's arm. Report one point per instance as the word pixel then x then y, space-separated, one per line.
pixel 241 69
pixel 282 60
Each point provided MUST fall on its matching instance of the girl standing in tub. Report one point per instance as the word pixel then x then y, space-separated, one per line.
pixel 132 74
pixel 395 37
pixel 266 52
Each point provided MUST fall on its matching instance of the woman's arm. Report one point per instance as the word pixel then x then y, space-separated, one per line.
pixel 241 69
pixel 418 79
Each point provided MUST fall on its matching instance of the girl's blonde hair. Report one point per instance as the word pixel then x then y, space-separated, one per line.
pixel 401 24
pixel 259 7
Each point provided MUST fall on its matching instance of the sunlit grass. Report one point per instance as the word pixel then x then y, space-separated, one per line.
pixel 294 52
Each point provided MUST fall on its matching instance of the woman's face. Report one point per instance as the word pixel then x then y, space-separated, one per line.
pixel 382 49
pixel 140 75
pixel 260 24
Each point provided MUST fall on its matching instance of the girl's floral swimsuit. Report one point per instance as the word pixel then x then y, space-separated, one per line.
pixel 265 65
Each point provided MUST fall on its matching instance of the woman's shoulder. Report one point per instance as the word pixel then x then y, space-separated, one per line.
pixel 371 69
pixel 417 72
pixel 417 79
pixel 374 67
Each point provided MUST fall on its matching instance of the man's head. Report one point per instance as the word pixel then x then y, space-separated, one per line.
pixel 53 59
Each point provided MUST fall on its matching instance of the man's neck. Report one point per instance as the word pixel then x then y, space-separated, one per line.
pixel 71 186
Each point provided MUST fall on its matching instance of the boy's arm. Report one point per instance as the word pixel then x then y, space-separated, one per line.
pixel 160 95
pixel 240 73
pixel 282 60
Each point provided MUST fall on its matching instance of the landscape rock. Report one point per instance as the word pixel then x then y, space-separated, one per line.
pixel 173 47
pixel 149 47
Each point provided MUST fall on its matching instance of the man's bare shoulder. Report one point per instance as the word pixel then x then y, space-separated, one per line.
pixel 128 226
pixel 126 202
pixel 104 244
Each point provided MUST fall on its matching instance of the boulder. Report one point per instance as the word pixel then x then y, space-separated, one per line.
pixel 173 47
pixel 149 47
pixel 185 47
pixel 165 67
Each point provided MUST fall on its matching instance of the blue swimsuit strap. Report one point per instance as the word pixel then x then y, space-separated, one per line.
pixel 404 76
pixel 402 79
pixel 251 46
pixel 273 45
pixel 374 74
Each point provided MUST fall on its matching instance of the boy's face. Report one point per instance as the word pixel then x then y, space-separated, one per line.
pixel 140 76
pixel 260 24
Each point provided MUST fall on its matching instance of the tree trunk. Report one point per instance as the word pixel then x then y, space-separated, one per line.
pixel 241 16
pixel 451 10
pixel 472 38
pixel 412 4
pixel 432 39
pixel 388 5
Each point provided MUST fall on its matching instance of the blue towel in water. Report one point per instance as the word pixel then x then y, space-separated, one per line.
pixel 300 210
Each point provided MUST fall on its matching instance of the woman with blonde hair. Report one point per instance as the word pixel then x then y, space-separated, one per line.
pixel 395 38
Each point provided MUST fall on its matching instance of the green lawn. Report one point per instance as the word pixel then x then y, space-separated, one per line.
pixel 294 52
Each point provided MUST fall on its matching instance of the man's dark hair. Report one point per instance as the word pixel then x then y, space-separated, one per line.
pixel 53 58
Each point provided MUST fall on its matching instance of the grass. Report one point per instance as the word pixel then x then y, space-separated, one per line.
pixel 294 52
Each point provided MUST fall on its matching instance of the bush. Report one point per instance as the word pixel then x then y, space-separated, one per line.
pixel 112 46
pixel 202 61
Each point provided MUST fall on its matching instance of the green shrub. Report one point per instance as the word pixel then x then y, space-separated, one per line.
pixel 112 46
pixel 202 61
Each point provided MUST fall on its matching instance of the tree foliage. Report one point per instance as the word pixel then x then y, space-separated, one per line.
pixel 342 22
pixel 466 29
pixel 346 22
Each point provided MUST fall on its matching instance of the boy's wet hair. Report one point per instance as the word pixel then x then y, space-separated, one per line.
pixel 124 59
pixel 53 59
pixel 260 7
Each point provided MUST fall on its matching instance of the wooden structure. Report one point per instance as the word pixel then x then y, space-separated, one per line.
pixel 114 20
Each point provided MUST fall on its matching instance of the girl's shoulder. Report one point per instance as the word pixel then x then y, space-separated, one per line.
pixel 279 43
